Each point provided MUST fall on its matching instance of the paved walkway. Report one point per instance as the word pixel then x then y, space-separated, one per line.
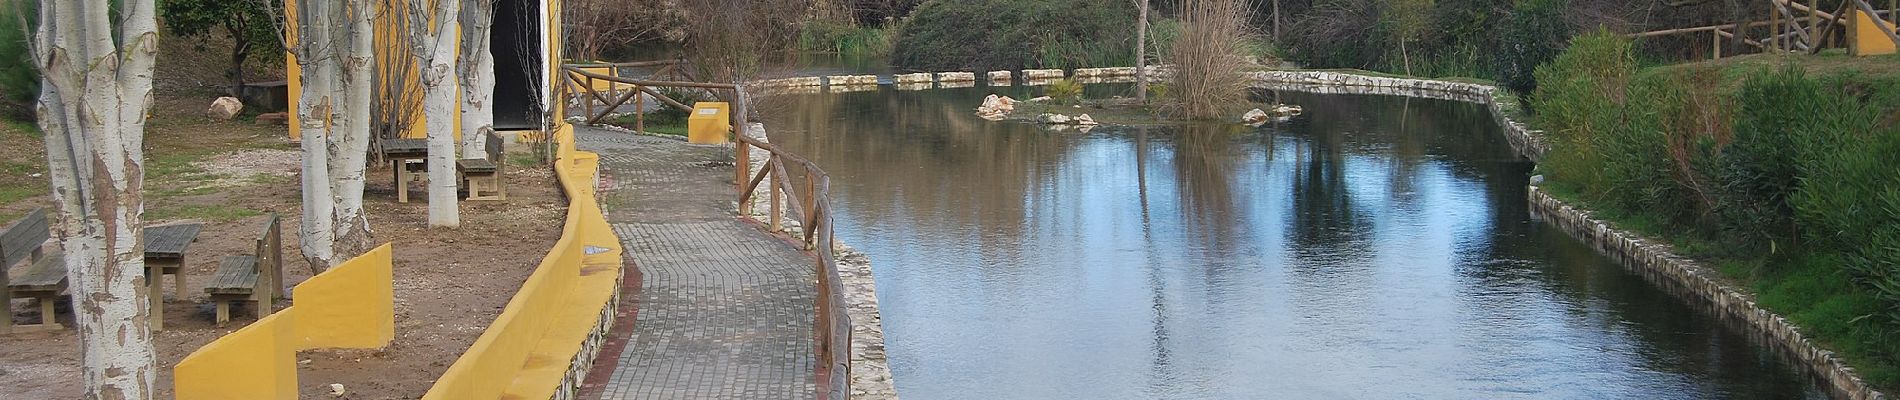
pixel 725 310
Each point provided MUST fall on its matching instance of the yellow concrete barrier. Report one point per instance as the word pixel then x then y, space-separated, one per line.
pixel 528 351
pixel 256 362
pixel 349 306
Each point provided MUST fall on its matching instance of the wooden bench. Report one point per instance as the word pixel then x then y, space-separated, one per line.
pixel 165 254
pixel 399 152
pixel 44 277
pixel 256 277
pixel 483 175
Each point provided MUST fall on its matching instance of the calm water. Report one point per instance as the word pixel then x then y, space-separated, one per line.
pixel 1375 248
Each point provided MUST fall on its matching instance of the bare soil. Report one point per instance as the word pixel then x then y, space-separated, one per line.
pixel 450 283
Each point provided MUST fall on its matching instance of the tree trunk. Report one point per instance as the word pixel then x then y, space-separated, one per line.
pixel 477 72
pixel 438 103
pixel 349 149
pixel 1141 54
pixel 93 101
pixel 316 105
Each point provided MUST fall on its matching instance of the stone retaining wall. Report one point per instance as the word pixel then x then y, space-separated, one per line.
pixel 1528 143
pixel 1698 285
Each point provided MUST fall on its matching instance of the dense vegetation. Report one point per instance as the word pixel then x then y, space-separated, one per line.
pixel 19 81
pixel 1011 34
pixel 1784 179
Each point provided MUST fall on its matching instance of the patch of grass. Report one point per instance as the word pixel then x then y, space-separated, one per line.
pixel 523 159
pixel 10 194
pixel 210 212
pixel 269 179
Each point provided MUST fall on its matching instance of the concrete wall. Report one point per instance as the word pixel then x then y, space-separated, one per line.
pixel 349 306
pixel 543 343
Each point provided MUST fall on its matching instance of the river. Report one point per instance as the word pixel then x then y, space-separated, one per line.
pixel 1372 248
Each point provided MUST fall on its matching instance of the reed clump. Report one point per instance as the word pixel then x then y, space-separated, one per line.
pixel 1210 58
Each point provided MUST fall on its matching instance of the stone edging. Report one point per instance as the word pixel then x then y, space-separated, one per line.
pixel 1686 279
pixel 1655 262
pixel 1529 143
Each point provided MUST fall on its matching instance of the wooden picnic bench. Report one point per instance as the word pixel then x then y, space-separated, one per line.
pixel 44 277
pixel 257 277
pixel 399 152
pixel 165 254
pixel 484 174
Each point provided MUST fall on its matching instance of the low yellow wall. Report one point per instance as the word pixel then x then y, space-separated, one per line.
pixel 526 352
pixel 349 306
pixel 256 362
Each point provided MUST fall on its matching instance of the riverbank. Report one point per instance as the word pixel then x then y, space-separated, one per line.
pixel 1850 364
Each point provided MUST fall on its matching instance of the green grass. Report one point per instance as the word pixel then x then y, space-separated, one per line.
pixel 524 159
pixel 209 212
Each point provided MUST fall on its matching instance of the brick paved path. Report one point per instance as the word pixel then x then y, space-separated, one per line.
pixel 725 310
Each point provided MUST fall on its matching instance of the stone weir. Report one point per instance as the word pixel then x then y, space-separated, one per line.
pixel 1655 261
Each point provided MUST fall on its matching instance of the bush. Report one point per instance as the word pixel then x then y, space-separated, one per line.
pixel 1064 91
pixel 1208 58
pixel 1011 34
pixel 1583 101
pixel 849 40
pixel 1531 35
pixel 19 80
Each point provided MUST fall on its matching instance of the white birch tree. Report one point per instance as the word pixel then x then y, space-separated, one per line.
pixel 1141 53
pixel 96 86
pixel 331 43
pixel 434 39
pixel 476 68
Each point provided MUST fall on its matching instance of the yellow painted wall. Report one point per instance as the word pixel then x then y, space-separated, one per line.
pixel 1866 39
pixel 256 362
pixel 349 306
pixel 526 351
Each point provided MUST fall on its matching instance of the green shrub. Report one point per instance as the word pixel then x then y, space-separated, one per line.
pixel 1064 91
pixel 19 80
pixel 1011 34
pixel 849 40
pixel 1583 99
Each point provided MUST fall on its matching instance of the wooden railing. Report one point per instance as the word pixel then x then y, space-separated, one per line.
pixel 1792 27
pixel 602 83
pixel 809 202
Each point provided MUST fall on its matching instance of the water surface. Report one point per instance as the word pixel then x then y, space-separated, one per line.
pixel 1375 248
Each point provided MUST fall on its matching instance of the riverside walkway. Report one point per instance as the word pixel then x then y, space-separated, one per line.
pixel 724 310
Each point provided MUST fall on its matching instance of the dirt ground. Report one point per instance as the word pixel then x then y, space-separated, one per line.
pixel 229 175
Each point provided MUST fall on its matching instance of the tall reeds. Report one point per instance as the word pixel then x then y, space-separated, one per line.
pixel 1209 57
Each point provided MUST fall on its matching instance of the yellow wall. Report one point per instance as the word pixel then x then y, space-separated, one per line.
pixel 349 306
pixel 256 362
pixel 525 353
pixel 1865 37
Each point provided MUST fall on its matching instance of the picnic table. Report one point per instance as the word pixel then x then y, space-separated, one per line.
pixel 399 152
pixel 165 254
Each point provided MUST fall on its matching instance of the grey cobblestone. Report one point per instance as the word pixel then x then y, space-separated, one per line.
pixel 725 309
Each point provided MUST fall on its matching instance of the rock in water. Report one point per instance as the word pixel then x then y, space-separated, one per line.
pixel 1057 119
pixel 1084 120
pixel 224 108
pixel 1254 117
pixel 996 107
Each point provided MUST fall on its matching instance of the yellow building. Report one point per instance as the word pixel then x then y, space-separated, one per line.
pixel 525 43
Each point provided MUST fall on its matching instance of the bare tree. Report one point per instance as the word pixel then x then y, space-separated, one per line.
pixel 594 26
pixel 433 37
pixel 1141 53
pixel 396 106
pixel 476 68
pixel 331 43
pixel 96 87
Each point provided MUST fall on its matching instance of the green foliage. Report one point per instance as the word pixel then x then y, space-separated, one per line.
pixel 1064 91
pixel 19 80
pixel 249 23
pixel 1012 34
pixel 1531 35
pixel 1792 173
pixel 849 40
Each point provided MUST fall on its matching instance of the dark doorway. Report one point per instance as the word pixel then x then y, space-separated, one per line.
pixel 516 39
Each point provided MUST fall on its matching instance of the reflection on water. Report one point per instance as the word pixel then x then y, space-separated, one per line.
pixel 1374 248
